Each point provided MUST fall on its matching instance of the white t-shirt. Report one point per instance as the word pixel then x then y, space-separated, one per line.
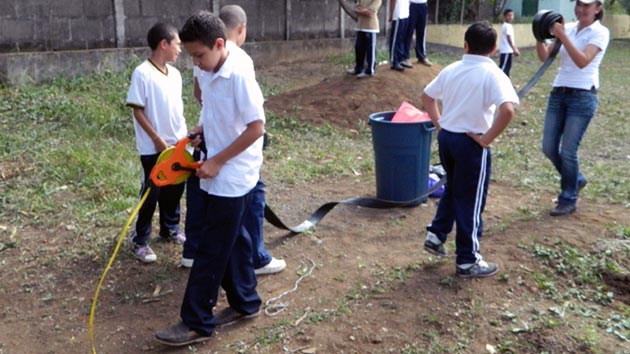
pixel 569 75
pixel 231 99
pixel 161 97
pixel 470 90
pixel 506 30
pixel 401 10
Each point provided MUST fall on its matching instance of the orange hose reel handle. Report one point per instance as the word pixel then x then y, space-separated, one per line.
pixel 174 165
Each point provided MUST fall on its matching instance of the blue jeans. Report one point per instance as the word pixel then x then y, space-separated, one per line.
pixel 568 115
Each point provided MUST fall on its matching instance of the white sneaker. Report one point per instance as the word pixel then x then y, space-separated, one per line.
pixel 275 266
pixel 187 262
pixel 144 253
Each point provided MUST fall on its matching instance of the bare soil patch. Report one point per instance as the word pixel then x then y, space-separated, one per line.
pixel 344 100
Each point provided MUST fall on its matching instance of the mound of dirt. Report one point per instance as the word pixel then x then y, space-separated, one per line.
pixel 344 100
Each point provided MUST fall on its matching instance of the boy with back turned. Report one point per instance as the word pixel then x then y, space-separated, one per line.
pixel 232 121
pixel 471 91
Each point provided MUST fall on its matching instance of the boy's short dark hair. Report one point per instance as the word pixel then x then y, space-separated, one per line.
pixel 158 32
pixel 204 27
pixel 232 16
pixel 481 38
pixel 507 11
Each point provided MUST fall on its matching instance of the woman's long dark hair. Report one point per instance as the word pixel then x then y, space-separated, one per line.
pixel 600 15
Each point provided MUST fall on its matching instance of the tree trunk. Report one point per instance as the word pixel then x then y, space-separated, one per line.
pixel 437 7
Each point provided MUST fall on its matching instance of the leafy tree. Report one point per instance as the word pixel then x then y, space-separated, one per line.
pixel 624 3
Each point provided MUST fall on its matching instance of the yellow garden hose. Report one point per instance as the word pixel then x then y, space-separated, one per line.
pixel 119 242
pixel 173 166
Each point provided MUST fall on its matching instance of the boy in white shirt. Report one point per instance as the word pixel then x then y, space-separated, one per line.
pixel 232 120
pixel 235 21
pixel 507 44
pixel 471 90
pixel 155 94
pixel 399 16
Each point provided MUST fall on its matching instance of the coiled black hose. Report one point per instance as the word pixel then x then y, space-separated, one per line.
pixel 543 21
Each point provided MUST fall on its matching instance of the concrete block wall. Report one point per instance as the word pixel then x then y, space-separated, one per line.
pixel 40 25
pixel 44 25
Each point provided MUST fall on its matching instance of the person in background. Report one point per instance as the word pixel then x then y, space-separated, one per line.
pixel 418 18
pixel 478 104
pixel 507 44
pixel 365 43
pixel 399 17
pixel 573 99
pixel 155 95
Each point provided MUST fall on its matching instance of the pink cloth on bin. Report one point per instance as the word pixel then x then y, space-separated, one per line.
pixel 408 113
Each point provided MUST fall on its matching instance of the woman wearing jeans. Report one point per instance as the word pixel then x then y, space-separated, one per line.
pixel 573 99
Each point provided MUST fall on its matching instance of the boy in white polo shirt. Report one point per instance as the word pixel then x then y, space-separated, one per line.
pixel 471 90
pixel 235 20
pixel 232 121
pixel 507 43
pixel 155 94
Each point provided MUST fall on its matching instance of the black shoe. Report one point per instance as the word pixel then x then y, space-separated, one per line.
pixel 431 246
pixel 406 64
pixel 229 316
pixel 481 269
pixel 563 209
pixel 398 67
pixel 434 248
pixel 179 335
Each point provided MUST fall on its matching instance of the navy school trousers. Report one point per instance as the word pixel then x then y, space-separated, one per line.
pixel 467 167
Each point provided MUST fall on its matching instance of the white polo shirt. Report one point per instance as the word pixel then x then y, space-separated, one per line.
pixel 231 100
pixel 160 95
pixel 401 10
pixel 470 90
pixel 569 75
pixel 506 30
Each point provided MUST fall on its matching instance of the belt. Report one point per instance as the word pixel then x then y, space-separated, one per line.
pixel 571 90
